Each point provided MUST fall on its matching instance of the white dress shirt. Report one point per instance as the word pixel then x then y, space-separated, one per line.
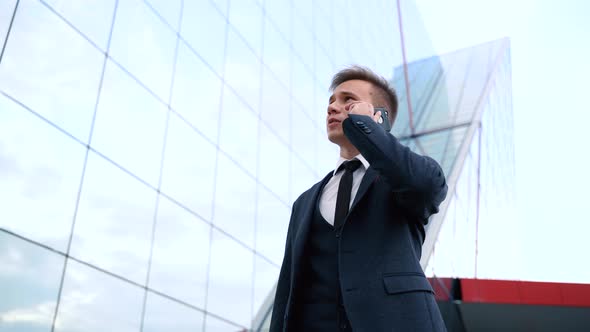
pixel 330 191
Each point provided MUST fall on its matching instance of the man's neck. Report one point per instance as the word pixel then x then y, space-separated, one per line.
pixel 348 151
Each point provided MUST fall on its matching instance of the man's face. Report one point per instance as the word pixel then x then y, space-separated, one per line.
pixel 344 95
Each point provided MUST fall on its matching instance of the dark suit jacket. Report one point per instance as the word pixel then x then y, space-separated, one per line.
pixel 383 286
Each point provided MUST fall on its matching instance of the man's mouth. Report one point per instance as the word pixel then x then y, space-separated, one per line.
pixel 332 120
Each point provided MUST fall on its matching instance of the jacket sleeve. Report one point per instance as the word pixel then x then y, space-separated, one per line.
pixel 284 283
pixel 418 180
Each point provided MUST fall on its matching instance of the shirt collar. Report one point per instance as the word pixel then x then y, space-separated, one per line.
pixel 358 156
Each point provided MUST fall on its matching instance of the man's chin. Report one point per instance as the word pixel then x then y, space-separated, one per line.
pixel 335 137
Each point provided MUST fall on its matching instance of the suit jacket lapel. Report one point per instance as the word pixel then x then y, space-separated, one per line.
pixel 368 179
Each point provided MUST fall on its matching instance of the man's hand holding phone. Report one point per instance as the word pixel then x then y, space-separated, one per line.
pixel 379 115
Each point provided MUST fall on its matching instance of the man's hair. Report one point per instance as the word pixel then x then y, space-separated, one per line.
pixel 385 95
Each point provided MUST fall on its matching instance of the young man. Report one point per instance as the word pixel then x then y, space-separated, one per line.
pixel 352 256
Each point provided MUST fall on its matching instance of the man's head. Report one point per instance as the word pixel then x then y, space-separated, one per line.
pixel 355 84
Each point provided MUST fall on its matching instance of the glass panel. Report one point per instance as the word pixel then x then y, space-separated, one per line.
pixel 113 227
pixel 242 70
pixel 29 284
pixel 92 301
pixel 60 86
pixel 239 131
pixel 196 92
pixel 323 33
pixel 6 12
pixel 162 314
pixel 188 168
pixel 92 17
pixel 303 177
pixel 329 153
pixel 265 277
pixel 129 125
pixel 302 84
pixel 271 226
pixel 180 254
pixel 230 280
pixel 274 163
pixel 204 29
pixel 419 45
pixel 276 53
pixel 144 45
pixel 169 10
pixel 303 41
pixel 213 324
pixel 304 139
pixel 221 6
pixel 274 105
pixel 235 201
pixel 246 17
pixel 305 9
pixel 40 172
pixel 279 11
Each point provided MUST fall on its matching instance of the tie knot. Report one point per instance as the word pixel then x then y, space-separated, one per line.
pixel 351 165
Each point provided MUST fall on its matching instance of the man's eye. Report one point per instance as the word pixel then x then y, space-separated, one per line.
pixel 348 98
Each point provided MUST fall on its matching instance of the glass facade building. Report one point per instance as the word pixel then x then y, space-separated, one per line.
pixel 150 150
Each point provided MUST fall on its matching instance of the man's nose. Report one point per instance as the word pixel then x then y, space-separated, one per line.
pixel 334 108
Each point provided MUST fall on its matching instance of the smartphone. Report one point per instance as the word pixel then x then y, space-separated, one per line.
pixel 384 120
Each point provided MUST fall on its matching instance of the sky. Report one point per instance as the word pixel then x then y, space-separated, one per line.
pixel 550 69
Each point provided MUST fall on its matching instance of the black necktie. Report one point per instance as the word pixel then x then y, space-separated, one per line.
pixel 344 191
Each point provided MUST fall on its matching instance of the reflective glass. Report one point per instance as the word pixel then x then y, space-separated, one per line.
pixel 129 125
pixel 303 41
pixel 180 254
pixel 246 17
pixel 144 45
pixel 280 12
pixel 323 32
pixel 113 227
pixel 235 201
pixel 213 324
pixel 60 86
pixel 196 92
pixel 328 154
pixel 239 131
pixel 162 314
pixel 204 28
pixel 271 225
pixel 304 139
pixel 221 5
pixel 29 284
pixel 276 53
pixel 301 84
pixel 242 70
pixel 274 109
pixel 265 277
pixel 230 277
pixel 273 165
pixel 40 172
pixel 188 168
pixel 305 9
pixel 93 301
pixel 6 12
pixel 169 10
pixel 303 176
pixel 92 17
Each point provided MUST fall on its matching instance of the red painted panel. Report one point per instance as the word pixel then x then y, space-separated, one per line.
pixel 442 288
pixel 525 292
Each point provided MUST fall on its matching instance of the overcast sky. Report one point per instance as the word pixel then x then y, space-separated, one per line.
pixel 550 73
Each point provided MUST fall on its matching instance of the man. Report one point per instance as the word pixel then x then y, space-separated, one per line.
pixel 352 256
